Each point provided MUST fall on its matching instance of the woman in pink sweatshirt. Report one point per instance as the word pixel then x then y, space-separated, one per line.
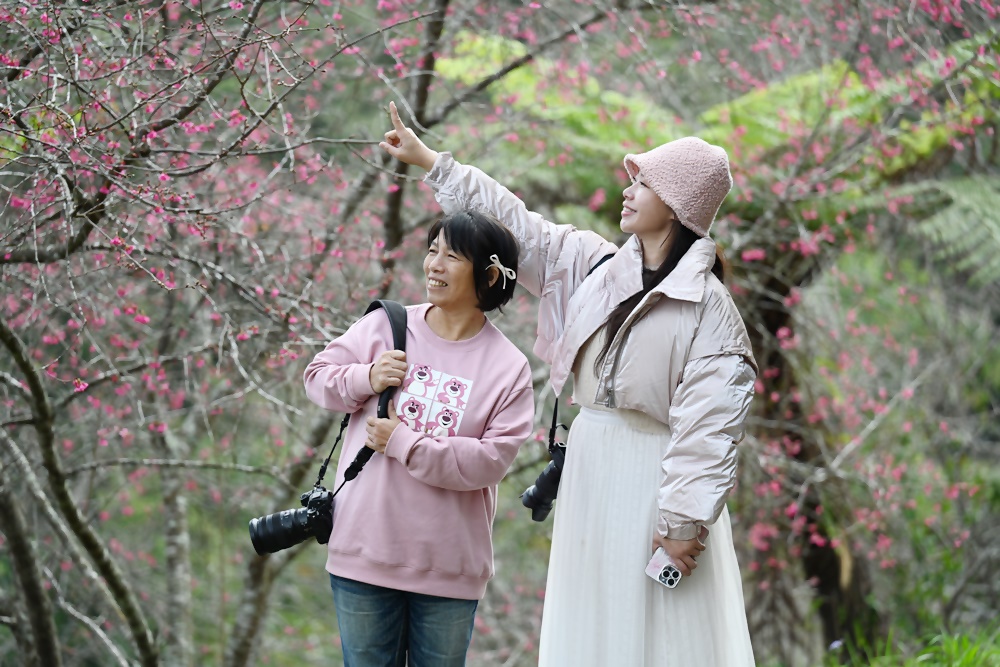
pixel 411 549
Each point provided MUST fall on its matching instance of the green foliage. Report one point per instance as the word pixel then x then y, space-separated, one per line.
pixel 766 119
pixel 967 232
pixel 943 650
pixel 596 126
pixel 593 119
pixel 918 490
pixel 580 120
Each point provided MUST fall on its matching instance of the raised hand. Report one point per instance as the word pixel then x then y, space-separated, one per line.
pixel 401 143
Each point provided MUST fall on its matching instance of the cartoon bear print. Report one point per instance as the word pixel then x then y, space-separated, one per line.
pixel 453 392
pixel 419 380
pixel 411 413
pixel 445 423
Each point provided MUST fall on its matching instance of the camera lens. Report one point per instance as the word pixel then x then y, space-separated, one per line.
pixel 280 530
pixel 539 506
pixel 669 576
pixel 539 497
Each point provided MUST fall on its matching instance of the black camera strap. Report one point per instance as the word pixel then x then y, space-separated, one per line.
pixel 396 313
pixel 555 426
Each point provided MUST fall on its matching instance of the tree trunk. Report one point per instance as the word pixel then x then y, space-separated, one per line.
pixel 251 613
pixel 44 638
pixel 178 649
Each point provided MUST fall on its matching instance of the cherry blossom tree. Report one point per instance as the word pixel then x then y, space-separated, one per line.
pixel 193 204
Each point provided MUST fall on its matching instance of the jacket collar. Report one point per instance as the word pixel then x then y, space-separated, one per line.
pixel 625 272
pixel 686 282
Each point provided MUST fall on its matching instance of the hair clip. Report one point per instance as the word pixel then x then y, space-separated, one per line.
pixel 507 273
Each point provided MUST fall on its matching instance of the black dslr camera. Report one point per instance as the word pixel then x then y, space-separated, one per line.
pixel 539 497
pixel 287 528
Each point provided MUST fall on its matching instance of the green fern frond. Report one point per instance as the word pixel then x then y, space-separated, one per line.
pixel 967 231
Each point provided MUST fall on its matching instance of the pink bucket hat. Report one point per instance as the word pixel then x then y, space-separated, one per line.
pixel 691 176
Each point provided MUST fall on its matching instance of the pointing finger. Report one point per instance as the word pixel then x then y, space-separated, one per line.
pixel 394 117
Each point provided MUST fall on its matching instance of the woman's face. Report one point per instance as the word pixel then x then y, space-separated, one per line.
pixel 449 277
pixel 643 212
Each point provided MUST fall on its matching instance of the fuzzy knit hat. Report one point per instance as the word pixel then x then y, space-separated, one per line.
pixel 691 176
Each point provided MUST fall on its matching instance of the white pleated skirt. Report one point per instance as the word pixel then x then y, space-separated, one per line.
pixel 601 609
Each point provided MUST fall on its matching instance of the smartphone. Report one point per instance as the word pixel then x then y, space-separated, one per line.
pixel 662 569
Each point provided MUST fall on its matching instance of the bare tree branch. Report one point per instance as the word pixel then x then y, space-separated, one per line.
pixel 30 479
pixel 44 418
pixel 91 624
pixel 273 473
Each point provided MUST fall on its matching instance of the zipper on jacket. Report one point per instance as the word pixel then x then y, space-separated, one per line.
pixel 641 309
pixel 612 400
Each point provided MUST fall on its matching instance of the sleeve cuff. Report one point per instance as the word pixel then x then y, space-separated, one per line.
pixel 401 443
pixel 359 383
pixel 436 173
pixel 673 530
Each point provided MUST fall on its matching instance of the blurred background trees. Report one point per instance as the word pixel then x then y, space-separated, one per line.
pixel 193 204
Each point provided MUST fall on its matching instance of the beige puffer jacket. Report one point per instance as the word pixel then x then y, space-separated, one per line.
pixel 682 356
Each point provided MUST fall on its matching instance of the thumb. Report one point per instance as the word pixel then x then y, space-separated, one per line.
pixel 389 148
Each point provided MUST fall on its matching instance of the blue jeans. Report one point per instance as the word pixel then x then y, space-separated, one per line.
pixel 381 627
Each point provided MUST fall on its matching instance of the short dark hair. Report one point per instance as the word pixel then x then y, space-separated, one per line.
pixel 477 236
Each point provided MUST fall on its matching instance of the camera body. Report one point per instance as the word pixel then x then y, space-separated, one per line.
pixel 540 496
pixel 281 530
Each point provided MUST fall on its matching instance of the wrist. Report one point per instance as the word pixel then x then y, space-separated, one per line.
pixel 428 160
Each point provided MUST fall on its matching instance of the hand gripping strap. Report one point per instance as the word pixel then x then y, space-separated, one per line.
pixel 397 321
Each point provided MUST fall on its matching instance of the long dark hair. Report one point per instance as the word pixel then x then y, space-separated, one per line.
pixel 683 239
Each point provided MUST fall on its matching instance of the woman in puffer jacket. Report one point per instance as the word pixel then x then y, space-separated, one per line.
pixel 664 374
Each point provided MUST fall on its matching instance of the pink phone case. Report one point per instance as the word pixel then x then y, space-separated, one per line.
pixel 662 569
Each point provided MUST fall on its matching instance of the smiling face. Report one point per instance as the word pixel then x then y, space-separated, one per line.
pixel 644 213
pixel 446 418
pixel 449 277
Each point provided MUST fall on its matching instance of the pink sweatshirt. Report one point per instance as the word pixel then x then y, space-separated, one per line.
pixel 420 517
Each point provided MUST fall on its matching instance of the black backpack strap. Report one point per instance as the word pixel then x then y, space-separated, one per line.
pixel 555 406
pixel 599 262
pixel 396 313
